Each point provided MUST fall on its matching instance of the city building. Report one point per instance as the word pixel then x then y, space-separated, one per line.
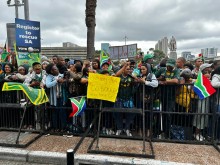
pixel 75 52
pixel 209 52
pixel 69 44
pixel 188 56
pixel 162 45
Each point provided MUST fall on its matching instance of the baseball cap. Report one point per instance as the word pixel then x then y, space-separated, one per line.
pixel 105 62
pixel 147 56
pixel 205 65
pixel 171 62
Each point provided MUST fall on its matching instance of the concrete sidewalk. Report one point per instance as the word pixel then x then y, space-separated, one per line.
pixel 52 150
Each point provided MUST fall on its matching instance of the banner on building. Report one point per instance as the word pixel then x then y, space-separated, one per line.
pixel 27 35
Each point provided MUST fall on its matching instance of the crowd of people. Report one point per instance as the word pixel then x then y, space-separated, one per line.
pixel 64 79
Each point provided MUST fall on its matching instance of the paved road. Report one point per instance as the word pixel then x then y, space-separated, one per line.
pixel 6 162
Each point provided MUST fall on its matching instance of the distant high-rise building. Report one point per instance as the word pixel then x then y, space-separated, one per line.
pixel 187 55
pixel 157 46
pixel 69 44
pixel 162 45
pixel 209 52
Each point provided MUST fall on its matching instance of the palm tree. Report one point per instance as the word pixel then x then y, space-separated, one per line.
pixel 90 23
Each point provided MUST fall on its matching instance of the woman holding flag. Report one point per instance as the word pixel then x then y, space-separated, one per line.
pixel 203 89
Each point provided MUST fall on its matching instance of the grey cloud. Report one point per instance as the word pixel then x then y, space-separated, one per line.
pixel 195 24
pixel 167 18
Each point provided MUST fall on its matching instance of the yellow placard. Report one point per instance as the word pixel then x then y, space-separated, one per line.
pixel 102 87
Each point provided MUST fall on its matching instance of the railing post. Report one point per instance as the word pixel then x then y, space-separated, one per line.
pixel 70 157
pixel 24 106
pixel 143 120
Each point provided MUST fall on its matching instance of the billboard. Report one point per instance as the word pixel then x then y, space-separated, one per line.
pixel 27 35
pixel 122 52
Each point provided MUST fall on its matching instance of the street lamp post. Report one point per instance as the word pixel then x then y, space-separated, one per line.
pixel 17 4
pixel 125 39
pixel 16 8
pixel 26 9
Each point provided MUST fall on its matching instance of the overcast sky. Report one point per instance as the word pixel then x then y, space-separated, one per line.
pixel 194 23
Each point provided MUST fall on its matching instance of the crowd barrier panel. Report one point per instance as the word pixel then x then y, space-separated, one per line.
pixel 166 117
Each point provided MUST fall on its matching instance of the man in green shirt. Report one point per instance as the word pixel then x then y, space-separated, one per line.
pixel 168 77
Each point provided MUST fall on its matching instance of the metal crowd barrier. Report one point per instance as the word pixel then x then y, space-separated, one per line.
pixel 168 119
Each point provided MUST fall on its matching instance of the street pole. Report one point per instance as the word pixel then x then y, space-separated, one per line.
pixel 125 39
pixel 16 4
pixel 16 8
pixel 125 43
pixel 26 9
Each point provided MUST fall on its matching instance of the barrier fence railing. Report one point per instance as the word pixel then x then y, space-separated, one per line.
pixel 173 113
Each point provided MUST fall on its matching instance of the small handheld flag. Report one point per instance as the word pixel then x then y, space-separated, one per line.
pixel 78 105
pixel 203 87
pixel 103 57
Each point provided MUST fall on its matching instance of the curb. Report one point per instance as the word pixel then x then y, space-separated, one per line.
pixel 32 156
pixel 13 154
pixel 60 158
pixel 110 160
